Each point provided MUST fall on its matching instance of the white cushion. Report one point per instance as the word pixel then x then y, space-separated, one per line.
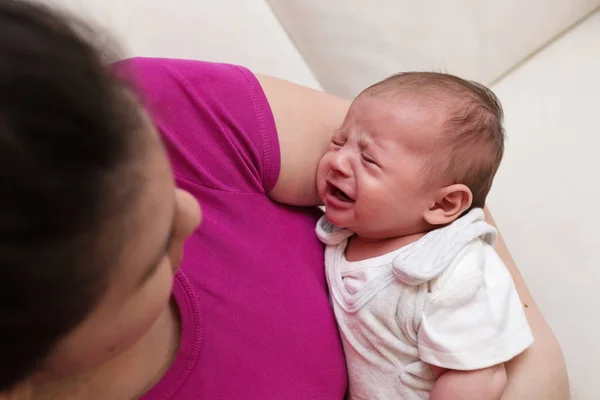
pixel 236 31
pixel 545 197
pixel 350 44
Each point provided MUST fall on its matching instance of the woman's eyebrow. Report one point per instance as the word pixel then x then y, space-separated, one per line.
pixel 153 265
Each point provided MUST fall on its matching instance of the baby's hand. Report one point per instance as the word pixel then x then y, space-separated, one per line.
pixel 482 384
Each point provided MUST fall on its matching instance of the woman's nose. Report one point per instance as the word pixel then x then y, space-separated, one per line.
pixel 187 219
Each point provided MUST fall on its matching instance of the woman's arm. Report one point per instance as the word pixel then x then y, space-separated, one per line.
pixel 540 372
pixel 305 120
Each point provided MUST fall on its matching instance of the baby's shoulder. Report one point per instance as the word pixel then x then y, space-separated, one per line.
pixel 476 263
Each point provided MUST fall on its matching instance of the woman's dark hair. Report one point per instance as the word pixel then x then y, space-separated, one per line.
pixel 66 150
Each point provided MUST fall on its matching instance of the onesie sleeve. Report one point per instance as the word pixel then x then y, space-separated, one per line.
pixel 214 119
pixel 473 317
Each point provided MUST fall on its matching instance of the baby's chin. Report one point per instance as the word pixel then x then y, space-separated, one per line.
pixel 335 219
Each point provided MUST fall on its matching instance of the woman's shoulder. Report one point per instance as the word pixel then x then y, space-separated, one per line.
pixel 214 119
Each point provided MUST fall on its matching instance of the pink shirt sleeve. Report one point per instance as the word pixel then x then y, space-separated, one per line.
pixel 213 121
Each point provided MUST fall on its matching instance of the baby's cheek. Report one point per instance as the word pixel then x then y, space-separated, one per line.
pixel 322 167
pixel 379 208
pixel 374 192
pixel 321 180
pixel 368 210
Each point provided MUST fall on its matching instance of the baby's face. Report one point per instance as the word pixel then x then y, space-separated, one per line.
pixel 371 179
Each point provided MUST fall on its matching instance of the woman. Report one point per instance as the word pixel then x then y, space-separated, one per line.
pixel 96 300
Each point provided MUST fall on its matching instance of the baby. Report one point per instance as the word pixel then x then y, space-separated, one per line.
pixel 425 307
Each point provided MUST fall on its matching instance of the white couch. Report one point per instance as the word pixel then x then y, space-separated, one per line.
pixel 542 58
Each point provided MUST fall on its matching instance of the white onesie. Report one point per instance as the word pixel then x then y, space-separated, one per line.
pixel 445 300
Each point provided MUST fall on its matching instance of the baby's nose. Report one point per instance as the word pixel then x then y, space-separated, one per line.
pixel 340 163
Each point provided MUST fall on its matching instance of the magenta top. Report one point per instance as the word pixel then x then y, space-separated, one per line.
pixel 256 319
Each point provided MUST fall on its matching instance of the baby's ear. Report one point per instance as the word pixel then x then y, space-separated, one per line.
pixel 450 202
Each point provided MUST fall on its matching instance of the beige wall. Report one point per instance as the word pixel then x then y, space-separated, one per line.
pixel 350 44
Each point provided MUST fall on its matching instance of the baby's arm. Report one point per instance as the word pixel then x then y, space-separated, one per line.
pixel 481 384
pixel 473 318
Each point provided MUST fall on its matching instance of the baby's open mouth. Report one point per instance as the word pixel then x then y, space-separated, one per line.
pixel 340 194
